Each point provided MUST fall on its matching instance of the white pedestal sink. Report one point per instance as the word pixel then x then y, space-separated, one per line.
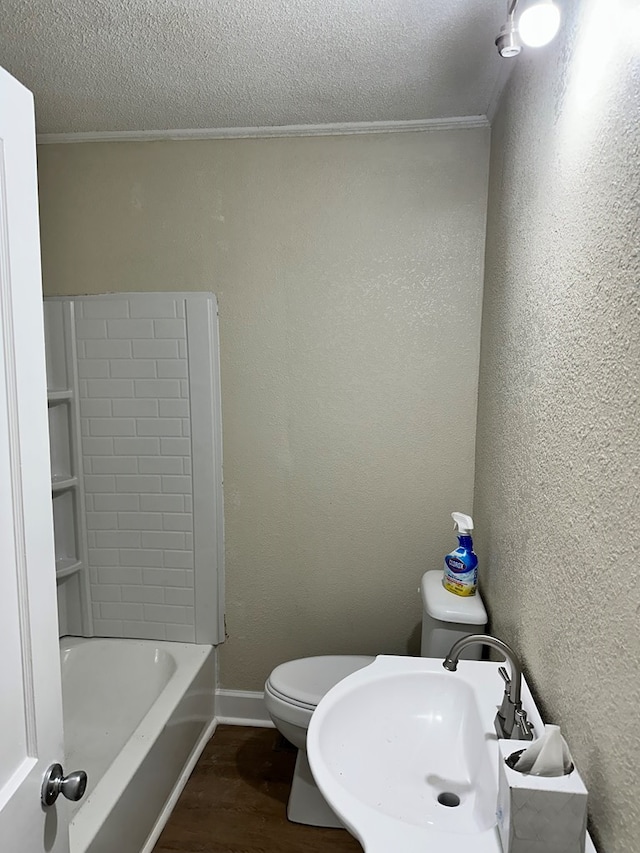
pixel 406 754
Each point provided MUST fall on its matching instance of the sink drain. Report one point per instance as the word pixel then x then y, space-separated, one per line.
pixel 448 799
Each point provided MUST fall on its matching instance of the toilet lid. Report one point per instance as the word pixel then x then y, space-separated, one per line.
pixel 305 681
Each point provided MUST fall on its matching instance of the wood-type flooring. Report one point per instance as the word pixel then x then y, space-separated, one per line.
pixel 236 801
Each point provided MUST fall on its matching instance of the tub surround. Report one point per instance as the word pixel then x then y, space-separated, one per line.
pixel 147 382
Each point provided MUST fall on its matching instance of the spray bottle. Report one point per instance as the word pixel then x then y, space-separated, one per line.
pixel 461 565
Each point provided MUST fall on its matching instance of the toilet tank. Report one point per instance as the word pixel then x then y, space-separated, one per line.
pixel 447 617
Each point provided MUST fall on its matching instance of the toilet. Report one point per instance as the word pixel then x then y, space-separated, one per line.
pixel 294 688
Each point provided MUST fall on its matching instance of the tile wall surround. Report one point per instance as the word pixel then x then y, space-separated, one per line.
pixel 136 424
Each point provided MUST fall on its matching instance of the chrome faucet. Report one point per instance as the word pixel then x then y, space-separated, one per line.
pixel 511 720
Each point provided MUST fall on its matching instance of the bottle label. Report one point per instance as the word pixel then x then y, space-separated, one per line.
pixel 458 577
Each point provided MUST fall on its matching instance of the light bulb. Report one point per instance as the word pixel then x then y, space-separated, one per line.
pixel 539 23
pixel 508 43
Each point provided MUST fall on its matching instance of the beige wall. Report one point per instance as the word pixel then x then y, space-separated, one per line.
pixel 349 275
pixel 557 495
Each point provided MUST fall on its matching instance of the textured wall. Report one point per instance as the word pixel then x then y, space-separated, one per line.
pixel 348 272
pixel 556 498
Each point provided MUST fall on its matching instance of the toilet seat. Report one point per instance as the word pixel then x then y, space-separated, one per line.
pixel 286 710
pixel 282 697
pixel 305 681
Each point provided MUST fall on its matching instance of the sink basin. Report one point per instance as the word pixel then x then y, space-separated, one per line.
pixel 406 754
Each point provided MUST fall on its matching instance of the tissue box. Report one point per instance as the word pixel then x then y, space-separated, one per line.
pixel 539 814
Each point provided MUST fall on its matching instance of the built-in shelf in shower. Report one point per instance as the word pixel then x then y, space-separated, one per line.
pixel 60 483
pixel 62 396
pixel 67 493
pixel 66 566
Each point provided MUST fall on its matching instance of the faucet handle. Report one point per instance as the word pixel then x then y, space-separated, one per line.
pixel 523 725
pixel 505 677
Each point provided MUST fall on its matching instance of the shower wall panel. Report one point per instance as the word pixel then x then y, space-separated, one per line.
pixel 149 407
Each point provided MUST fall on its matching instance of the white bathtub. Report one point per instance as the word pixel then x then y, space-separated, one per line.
pixel 137 714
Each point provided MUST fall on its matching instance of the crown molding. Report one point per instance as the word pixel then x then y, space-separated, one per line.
pixel 344 129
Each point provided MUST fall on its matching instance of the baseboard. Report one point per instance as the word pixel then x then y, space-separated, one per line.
pixel 242 708
pixel 178 788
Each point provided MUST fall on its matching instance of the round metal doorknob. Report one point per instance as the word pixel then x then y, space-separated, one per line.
pixel 54 783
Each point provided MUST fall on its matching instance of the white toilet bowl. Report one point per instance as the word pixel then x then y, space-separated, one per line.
pixel 291 695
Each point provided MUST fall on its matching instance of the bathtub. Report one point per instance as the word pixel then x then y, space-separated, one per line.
pixel 137 714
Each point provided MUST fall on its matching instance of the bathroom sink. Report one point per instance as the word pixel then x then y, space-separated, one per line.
pixel 407 756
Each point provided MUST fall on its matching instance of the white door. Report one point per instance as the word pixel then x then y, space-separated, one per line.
pixel 30 698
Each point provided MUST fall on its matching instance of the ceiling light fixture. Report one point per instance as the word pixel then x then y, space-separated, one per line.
pixel 537 26
pixel 508 41
pixel 539 23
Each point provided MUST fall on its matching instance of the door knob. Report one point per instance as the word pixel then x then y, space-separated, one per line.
pixel 54 783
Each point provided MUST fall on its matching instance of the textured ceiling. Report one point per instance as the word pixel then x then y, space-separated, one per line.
pixel 109 65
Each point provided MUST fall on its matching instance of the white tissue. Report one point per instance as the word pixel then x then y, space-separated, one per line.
pixel 547 756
